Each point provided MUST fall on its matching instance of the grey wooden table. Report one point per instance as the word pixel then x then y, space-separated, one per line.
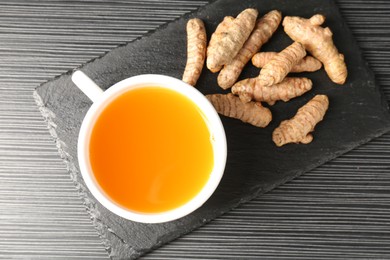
pixel 339 210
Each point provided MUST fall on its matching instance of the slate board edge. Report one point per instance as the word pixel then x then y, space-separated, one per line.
pixel 48 116
pixel 385 104
pixel 103 230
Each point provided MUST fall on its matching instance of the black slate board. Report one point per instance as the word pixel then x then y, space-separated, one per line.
pixel 357 113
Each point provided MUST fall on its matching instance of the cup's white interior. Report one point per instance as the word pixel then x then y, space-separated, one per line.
pixel 213 121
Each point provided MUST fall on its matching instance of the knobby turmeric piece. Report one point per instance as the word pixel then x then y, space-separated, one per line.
pixel 216 36
pixel 318 41
pixel 231 41
pixel 196 50
pixel 229 105
pixel 298 129
pixel 307 64
pixel 281 64
pixel 252 89
pixel 264 29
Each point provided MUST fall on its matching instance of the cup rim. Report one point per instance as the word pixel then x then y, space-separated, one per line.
pixel 215 126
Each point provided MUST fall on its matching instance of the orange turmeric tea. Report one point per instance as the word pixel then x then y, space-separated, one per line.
pixel 150 150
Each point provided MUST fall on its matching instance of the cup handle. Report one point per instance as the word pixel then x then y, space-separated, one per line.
pixel 86 85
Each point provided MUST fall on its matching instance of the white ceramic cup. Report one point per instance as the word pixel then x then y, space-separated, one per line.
pixel 102 98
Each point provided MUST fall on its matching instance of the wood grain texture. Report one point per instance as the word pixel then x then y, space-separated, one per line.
pixel 339 210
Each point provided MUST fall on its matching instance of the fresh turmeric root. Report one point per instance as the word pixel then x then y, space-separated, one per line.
pixel 251 89
pixel 281 64
pixel 196 50
pixel 318 41
pixel 264 29
pixel 297 129
pixel 231 41
pixel 216 36
pixel 307 64
pixel 229 105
